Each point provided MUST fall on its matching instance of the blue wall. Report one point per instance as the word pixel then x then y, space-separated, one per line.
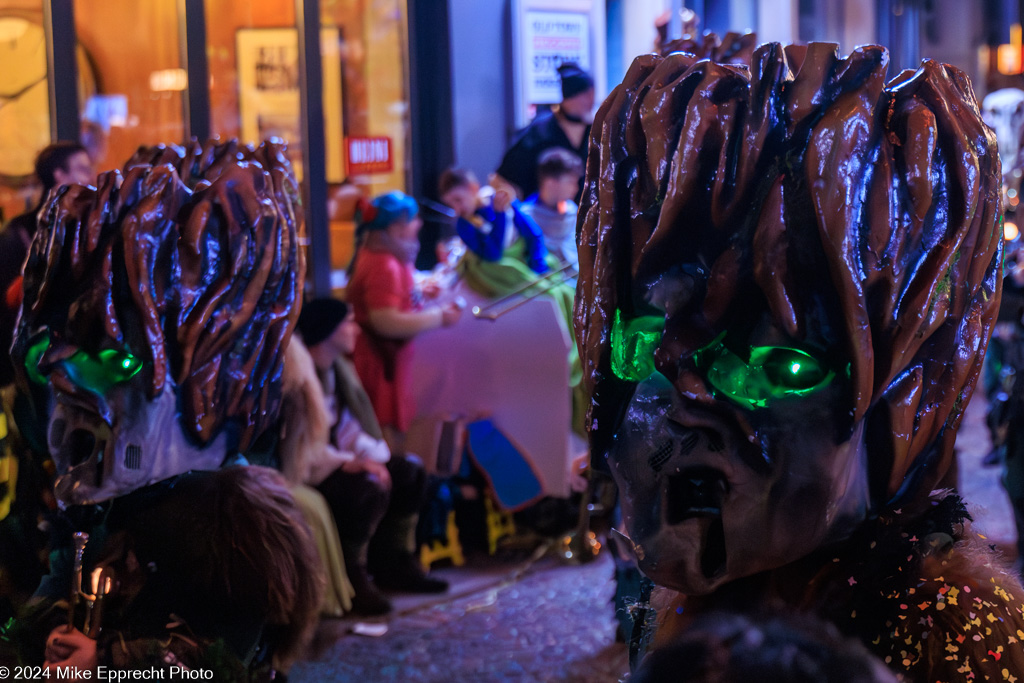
pixel 480 82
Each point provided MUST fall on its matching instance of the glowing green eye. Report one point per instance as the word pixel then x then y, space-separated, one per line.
pixel 104 370
pixel 633 346
pixel 120 365
pixel 33 356
pixel 791 370
pixel 772 372
pixel 94 372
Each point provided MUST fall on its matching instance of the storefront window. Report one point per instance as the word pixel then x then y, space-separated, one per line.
pixel 371 64
pixel 25 112
pixel 133 48
pixel 254 94
pixel 254 72
pixel 24 101
pixel 133 80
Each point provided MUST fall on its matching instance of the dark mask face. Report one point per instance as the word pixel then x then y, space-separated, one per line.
pixel 156 315
pixel 784 270
pixel 106 436
pixel 743 462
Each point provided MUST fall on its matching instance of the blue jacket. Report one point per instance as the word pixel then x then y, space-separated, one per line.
pixel 490 246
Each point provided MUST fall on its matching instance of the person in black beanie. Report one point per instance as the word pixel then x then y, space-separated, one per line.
pixel 374 495
pixel 567 126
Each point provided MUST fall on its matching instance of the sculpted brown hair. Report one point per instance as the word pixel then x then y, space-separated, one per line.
pixel 863 216
pixel 205 284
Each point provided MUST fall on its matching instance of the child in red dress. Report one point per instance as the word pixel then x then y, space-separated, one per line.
pixel 381 292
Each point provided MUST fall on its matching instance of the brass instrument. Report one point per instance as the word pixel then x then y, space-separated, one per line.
pixel 582 546
pixel 81 539
pixel 499 307
pixel 101 585
pixel 102 582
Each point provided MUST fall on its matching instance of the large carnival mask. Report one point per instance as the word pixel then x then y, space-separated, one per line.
pixel 788 277
pixel 157 315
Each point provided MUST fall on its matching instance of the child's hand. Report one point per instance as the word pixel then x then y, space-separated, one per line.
pixel 450 314
pixel 430 289
pixel 502 200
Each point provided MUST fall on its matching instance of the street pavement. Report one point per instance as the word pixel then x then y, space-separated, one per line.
pixel 501 621
pixel 542 620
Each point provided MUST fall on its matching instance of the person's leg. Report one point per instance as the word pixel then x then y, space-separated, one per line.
pixel 358 502
pixel 392 554
pixel 394 438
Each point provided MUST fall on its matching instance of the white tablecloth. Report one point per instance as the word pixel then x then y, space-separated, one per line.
pixel 513 370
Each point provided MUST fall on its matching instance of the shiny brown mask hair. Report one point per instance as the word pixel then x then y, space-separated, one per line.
pixel 734 48
pixel 205 285
pixel 862 216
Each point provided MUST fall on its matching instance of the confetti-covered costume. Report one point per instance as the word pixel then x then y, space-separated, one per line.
pixel 951 611
pixel 788 278
pixel 928 597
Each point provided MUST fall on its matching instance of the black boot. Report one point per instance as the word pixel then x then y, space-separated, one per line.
pixel 368 600
pixel 392 557
pixel 402 572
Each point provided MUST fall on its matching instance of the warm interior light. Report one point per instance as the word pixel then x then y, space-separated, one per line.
pixel 1008 60
pixel 12 28
pixel 1008 57
pixel 165 80
pixel 1010 231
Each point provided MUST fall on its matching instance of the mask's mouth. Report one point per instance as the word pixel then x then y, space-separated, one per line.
pixel 695 492
pixel 77 437
pixel 699 493
pixel 78 447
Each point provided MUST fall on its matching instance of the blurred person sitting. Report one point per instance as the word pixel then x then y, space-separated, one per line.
pixel 567 126
pixel 62 163
pixel 553 209
pixel 298 443
pixel 388 308
pixel 490 224
pixel 374 495
pixel 494 273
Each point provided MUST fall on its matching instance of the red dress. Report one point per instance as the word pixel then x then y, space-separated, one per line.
pixel 380 280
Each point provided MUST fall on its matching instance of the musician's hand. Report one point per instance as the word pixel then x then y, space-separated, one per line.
pixel 502 199
pixel 578 472
pixel 450 314
pixel 71 649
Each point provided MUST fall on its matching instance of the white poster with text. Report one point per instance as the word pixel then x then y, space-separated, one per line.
pixel 549 39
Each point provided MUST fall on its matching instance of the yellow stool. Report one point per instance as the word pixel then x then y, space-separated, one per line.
pixel 448 549
pixel 499 525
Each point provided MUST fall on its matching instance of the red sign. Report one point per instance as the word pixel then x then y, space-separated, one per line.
pixel 368 155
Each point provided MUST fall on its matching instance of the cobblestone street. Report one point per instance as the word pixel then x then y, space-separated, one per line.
pixel 547 621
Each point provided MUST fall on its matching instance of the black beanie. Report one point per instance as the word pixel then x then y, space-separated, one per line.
pixel 574 79
pixel 319 319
